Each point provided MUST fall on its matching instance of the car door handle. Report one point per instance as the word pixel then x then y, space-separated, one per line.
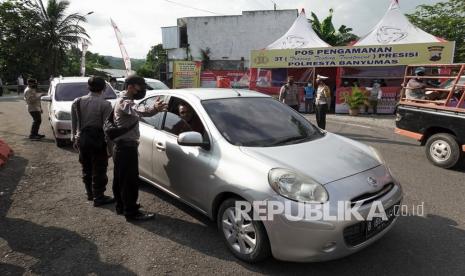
pixel 160 146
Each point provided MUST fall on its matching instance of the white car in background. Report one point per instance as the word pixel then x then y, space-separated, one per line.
pixel 152 84
pixel 61 94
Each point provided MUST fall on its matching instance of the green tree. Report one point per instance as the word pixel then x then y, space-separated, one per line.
pixel 326 31
pixel 445 20
pixel 20 42
pixel 59 31
pixel 72 63
pixel 156 59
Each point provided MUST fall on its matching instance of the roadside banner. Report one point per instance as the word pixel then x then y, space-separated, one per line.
pixel 186 74
pixel 124 53
pixel 377 55
pixel 237 78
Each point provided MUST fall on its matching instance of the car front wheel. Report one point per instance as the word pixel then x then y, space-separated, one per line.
pixel 247 239
pixel 443 150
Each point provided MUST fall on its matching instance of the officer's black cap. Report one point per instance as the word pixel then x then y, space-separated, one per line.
pixel 134 80
pixel 96 84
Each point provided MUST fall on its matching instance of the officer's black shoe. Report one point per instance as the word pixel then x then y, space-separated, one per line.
pixel 35 137
pixel 140 216
pixel 41 136
pixel 90 197
pixel 120 211
pixel 103 201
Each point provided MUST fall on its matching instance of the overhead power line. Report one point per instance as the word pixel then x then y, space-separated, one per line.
pixel 194 8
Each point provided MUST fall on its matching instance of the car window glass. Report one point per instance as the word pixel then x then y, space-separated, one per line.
pixel 120 85
pixel 259 122
pixel 181 117
pixel 70 91
pixel 155 120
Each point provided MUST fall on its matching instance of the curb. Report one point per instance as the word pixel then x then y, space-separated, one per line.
pixel 5 153
pixel 382 121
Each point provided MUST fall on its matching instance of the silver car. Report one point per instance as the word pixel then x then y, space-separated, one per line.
pixel 215 148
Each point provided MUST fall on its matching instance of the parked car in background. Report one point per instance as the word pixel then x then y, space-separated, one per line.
pixel 216 147
pixel 152 84
pixel 61 94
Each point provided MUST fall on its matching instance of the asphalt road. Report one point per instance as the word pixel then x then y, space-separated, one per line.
pixel 47 226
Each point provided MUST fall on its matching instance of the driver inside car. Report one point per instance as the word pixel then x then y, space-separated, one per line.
pixel 188 115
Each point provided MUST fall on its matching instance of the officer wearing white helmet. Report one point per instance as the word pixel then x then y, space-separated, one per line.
pixel 415 88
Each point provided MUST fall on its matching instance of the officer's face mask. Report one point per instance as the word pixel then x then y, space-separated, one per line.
pixel 141 91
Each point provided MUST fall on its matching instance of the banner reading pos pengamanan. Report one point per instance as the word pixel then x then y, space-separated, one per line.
pixel 382 55
pixel 186 74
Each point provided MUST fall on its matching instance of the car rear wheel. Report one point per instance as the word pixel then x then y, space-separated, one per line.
pixel 443 150
pixel 247 239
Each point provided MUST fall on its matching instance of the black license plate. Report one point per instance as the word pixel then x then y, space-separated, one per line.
pixel 373 227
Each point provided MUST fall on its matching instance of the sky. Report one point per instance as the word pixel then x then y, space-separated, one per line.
pixel 140 20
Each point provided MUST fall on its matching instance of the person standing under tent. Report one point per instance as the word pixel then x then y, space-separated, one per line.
pixel 322 101
pixel 375 94
pixel 289 94
pixel 309 97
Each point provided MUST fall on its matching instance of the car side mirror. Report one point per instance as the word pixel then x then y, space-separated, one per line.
pixel 192 139
pixel 47 98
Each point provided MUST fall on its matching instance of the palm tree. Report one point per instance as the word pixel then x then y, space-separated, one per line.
pixel 326 30
pixel 58 31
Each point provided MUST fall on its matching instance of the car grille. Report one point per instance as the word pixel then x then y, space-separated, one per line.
pixel 358 233
pixel 370 197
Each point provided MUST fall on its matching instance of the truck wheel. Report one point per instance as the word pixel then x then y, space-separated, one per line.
pixel 247 239
pixel 443 150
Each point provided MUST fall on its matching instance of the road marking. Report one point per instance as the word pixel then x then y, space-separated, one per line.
pixel 349 124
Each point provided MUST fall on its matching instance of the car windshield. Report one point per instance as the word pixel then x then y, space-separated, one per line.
pixel 152 85
pixel 259 122
pixel 69 91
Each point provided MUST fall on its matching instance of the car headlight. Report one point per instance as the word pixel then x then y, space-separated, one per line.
pixel 296 187
pixel 62 116
pixel 378 155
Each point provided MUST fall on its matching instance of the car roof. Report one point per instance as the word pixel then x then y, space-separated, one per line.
pixel 213 93
pixel 146 79
pixel 153 80
pixel 70 79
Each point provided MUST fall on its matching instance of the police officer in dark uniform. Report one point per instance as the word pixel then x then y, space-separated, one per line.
pixel 88 114
pixel 126 169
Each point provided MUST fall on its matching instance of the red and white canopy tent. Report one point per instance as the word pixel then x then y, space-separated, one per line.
pixel 299 36
pixel 393 29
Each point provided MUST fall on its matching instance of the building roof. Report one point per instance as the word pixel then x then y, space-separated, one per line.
pixel 300 35
pixel 395 28
pixel 114 72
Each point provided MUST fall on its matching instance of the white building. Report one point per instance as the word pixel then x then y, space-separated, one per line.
pixel 229 38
